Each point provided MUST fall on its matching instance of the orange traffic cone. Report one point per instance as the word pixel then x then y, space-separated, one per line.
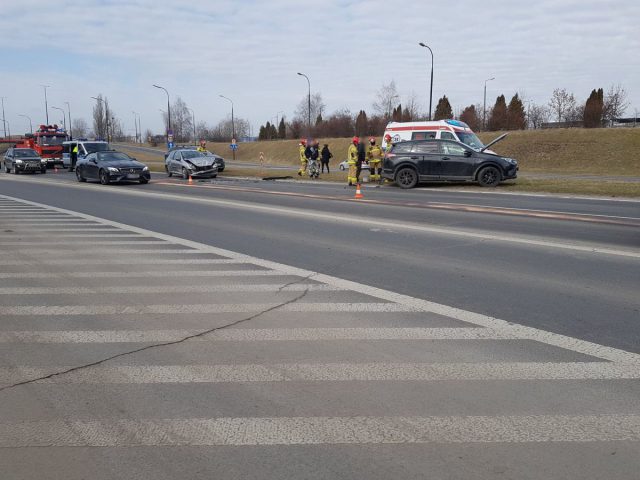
pixel 358 192
pixel 190 182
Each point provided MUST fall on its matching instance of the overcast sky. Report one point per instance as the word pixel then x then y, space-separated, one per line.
pixel 250 51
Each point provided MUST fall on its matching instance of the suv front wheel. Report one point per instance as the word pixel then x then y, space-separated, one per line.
pixel 406 177
pixel 489 176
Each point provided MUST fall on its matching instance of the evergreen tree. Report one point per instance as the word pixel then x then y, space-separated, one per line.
pixel 594 109
pixel 273 132
pixel 470 116
pixel 498 116
pixel 516 119
pixel 261 135
pixel 443 109
pixel 362 123
pixel 282 130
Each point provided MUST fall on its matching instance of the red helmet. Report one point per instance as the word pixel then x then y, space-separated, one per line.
pixel 355 140
pixel 303 141
pixel 387 138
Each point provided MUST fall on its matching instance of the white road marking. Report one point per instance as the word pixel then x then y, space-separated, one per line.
pixel 145 274
pixel 254 335
pixel 29 310
pixel 86 242
pixel 110 251
pixel 119 261
pixel 320 431
pixel 331 372
pixel 141 289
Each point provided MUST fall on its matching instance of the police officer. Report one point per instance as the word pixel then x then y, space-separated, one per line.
pixel 303 158
pixel 74 157
pixel 374 157
pixel 352 160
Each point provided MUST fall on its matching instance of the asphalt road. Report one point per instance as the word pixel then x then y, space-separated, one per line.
pixel 355 355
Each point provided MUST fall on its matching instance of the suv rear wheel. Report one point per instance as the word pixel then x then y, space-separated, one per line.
pixel 406 177
pixel 489 176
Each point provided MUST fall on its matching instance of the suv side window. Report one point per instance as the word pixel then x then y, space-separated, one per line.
pixel 426 148
pixel 454 149
pixel 10 152
pixel 447 136
pixel 401 148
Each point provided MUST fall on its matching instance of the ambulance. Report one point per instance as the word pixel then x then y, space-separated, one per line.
pixel 440 129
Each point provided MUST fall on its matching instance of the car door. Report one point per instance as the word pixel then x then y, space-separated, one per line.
pixel 8 159
pixel 427 156
pixel 177 162
pixel 455 162
pixel 91 166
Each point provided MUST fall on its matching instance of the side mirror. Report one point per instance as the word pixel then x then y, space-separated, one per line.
pixel 468 153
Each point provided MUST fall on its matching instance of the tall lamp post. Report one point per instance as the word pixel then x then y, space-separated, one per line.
pixel 64 119
pixel 106 114
pixel 7 126
pixel 30 124
pixel 168 107
pixel 484 108
pixel 3 119
pixel 308 105
pixel 431 85
pixel 233 125
pixel 69 112
pixel 135 123
pixel 193 120
pixel 46 107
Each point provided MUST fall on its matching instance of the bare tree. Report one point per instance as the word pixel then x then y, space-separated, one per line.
pixel 181 123
pixel 562 103
pixel 79 127
pixel 100 117
pixel 615 103
pixel 317 109
pixel 537 115
pixel 411 109
pixel 386 99
pixel 223 131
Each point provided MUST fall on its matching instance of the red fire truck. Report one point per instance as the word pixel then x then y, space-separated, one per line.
pixel 47 140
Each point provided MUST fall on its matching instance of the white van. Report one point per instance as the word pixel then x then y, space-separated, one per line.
pixel 441 129
pixel 85 147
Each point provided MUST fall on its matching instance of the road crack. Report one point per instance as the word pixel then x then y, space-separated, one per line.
pixel 165 344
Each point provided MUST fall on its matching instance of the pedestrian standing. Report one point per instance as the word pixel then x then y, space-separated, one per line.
pixel 352 160
pixel 74 157
pixel 325 155
pixel 362 157
pixel 303 158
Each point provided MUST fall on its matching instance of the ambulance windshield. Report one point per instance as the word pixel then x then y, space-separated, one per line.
pixel 470 138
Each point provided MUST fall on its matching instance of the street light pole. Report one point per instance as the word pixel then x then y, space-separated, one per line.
pixel 6 123
pixel 69 110
pixel 3 119
pixel 484 108
pixel 193 119
pixel 30 124
pixel 308 105
pixel 168 107
pixel 64 120
pixel 135 124
pixel 431 85
pixel 233 125
pixel 46 108
pixel 106 114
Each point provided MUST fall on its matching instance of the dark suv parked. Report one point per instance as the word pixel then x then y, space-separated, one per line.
pixel 411 162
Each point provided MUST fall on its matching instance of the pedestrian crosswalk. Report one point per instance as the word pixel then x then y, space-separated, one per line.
pixel 285 357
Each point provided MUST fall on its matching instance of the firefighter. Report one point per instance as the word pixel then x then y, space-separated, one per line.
pixel 352 160
pixel 203 146
pixel 74 157
pixel 387 139
pixel 303 157
pixel 374 157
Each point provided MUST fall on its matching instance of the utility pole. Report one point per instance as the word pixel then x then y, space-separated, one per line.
pixel 30 124
pixel 484 108
pixel 64 121
pixel 233 126
pixel 46 107
pixel 431 87
pixel 69 111
pixel 308 105
pixel 3 119
pixel 135 124
pixel 168 108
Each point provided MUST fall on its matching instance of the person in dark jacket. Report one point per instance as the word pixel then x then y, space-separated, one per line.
pixel 362 156
pixel 325 155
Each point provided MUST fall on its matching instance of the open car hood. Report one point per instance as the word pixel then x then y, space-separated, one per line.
pixel 493 142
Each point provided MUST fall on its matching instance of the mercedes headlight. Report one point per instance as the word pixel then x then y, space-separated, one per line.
pixel 18 161
pixel 43 160
pixel 114 170
pixel 145 169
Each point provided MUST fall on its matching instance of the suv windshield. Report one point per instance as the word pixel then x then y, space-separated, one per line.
pixel 470 139
pixel 24 152
pixel 92 147
pixel 114 157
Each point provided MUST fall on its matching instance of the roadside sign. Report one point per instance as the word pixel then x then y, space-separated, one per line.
pixel 170 145
pixel 233 146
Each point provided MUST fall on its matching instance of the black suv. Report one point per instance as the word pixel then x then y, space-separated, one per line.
pixel 411 162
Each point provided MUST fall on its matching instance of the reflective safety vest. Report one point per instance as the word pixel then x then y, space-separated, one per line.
pixel 303 157
pixel 75 149
pixel 352 154
pixel 374 154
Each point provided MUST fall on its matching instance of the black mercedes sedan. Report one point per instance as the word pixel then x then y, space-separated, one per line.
pixel 111 166
pixel 414 161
